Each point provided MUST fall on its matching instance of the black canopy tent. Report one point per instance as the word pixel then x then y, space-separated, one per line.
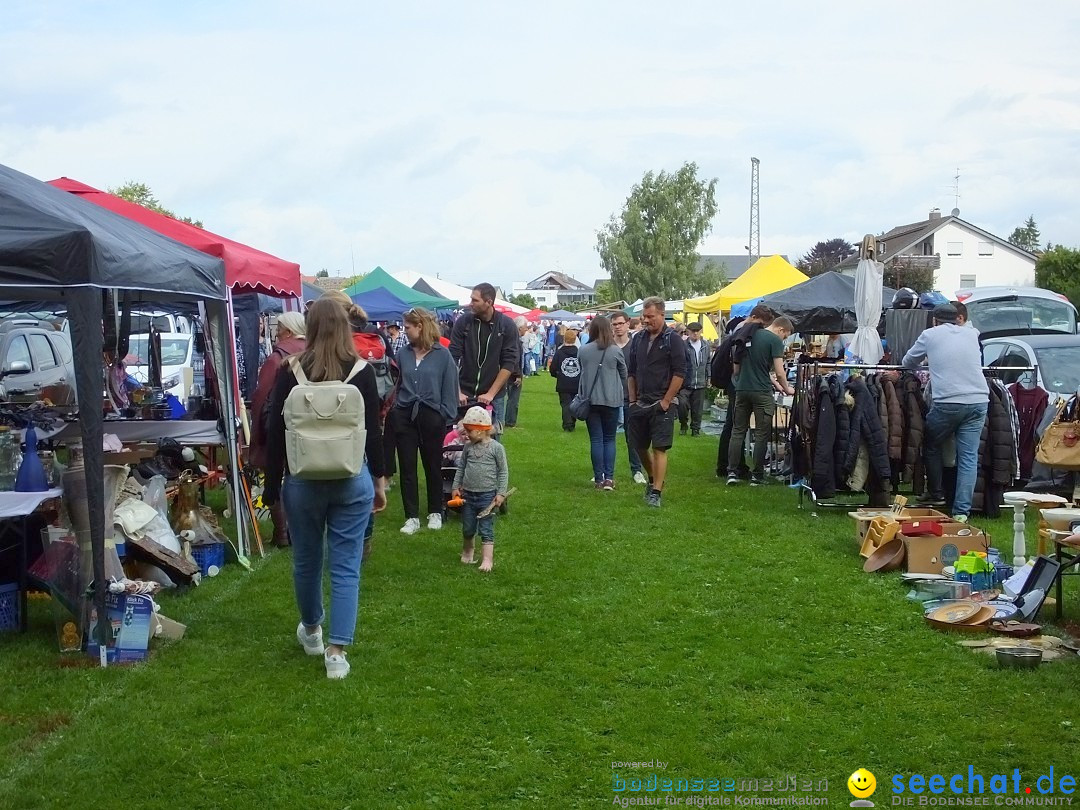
pixel 55 247
pixel 822 305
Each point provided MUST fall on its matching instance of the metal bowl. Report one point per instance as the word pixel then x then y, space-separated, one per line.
pixel 1018 657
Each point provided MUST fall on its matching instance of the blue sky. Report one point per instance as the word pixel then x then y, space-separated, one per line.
pixel 489 141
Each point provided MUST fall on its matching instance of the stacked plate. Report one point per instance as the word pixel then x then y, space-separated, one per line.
pixel 962 615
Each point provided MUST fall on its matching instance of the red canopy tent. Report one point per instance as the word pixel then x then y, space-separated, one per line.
pixel 246 269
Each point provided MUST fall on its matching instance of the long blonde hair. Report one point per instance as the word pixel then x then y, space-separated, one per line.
pixel 329 341
pixel 429 330
pixel 353 311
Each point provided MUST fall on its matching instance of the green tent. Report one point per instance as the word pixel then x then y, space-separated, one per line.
pixel 380 279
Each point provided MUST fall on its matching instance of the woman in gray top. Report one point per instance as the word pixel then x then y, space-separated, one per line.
pixel 602 381
pixel 426 403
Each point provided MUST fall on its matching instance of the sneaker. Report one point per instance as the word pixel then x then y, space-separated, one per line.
pixel 653 499
pixel 695 432
pixel 412 526
pixel 682 431
pixel 598 485
pixel 336 666
pixel 960 518
pixel 931 500
pixel 608 485
pixel 648 492
pixel 434 521
pixel 732 480
pixel 311 642
pixel 756 480
pixel 639 478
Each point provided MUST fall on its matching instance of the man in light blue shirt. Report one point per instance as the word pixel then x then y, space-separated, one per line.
pixel 960 396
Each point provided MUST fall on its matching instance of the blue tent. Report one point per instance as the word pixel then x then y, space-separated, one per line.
pixel 381 305
pixel 742 309
pixel 562 315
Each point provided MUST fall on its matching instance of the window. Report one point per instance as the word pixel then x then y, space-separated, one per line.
pixel 967 281
pixel 954 248
pixel 18 352
pixel 42 352
pixel 986 248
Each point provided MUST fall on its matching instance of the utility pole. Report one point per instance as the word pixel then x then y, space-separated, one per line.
pixel 755 212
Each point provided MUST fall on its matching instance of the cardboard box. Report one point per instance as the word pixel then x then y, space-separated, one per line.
pixel 862 517
pixel 128 636
pixel 929 555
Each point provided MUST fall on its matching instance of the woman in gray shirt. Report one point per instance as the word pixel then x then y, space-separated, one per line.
pixel 603 381
pixel 426 403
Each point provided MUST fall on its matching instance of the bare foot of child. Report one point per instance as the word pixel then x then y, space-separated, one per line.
pixel 488 553
pixel 467 552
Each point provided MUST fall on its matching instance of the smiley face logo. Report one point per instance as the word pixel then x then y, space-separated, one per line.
pixel 862 784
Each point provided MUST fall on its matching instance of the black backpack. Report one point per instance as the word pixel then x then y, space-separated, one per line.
pixel 731 350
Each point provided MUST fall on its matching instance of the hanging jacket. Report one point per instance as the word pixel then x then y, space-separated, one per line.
pixel 914 410
pixel 843 428
pixel 866 427
pixel 823 467
pixel 895 420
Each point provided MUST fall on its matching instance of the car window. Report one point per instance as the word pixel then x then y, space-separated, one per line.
pixel 992 352
pixel 17 352
pixel 42 352
pixel 1015 357
pixel 1060 368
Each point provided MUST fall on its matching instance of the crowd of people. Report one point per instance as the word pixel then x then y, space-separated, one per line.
pixel 425 386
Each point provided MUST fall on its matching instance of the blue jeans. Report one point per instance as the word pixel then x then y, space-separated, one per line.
pixel 602 423
pixel 965 422
pixel 498 406
pixel 475 503
pixel 339 512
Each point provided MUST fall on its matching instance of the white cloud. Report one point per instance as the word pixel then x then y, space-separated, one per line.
pixel 482 139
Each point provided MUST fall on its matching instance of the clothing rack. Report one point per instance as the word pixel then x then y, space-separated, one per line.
pixel 807 373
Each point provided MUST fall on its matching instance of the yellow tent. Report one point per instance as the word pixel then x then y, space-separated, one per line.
pixel 768 274
pixel 708 328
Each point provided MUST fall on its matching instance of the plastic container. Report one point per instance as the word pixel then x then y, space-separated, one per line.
pixel 210 557
pixel 9 606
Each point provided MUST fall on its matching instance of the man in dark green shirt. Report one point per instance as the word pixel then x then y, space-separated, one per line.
pixel 754 385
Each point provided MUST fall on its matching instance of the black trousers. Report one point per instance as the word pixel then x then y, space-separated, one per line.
pixel 568 420
pixel 725 439
pixel 691 402
pixel 423 435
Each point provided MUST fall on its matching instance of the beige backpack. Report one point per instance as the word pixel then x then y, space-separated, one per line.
pixel 325 433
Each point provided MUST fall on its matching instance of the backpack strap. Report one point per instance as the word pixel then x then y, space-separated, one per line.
pixel 298 372
pixel 358 366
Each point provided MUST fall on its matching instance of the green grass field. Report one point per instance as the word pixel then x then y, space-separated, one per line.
pixel 729 635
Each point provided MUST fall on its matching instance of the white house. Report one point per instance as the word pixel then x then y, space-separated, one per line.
pixel 556 290
pixel 961 254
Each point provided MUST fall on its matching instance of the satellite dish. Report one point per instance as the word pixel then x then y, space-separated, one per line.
pixel 955 212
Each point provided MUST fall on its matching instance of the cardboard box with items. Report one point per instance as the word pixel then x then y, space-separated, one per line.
pixel 931 553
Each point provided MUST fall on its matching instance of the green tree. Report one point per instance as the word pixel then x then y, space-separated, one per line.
pixel 604 293
pixel 140 194
pixel 650 247
pixel 824 256
pixel 324 273
pixel 1058 269
pixel 908 271
pixel 1026 236
pixel 523 300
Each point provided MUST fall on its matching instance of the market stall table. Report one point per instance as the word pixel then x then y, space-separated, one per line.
pixel 15 509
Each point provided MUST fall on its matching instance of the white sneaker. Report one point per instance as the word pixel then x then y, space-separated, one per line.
pixel 336 666
pixel 434 521
pixel 311 642
pixel 412 526
pixel 639 478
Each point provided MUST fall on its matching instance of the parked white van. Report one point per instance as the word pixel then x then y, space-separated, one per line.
pixel 177 355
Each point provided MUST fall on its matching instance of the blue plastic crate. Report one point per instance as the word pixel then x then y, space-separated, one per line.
pixel 9 606
pixel 211 554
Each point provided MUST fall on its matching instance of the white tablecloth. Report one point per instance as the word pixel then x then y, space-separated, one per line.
pixel 21 504
pixel 148 430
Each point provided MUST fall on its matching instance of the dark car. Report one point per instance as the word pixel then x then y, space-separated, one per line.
pixel 1056 359
pixel 35 362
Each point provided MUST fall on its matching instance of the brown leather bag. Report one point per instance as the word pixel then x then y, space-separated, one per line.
pixel 1060 443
